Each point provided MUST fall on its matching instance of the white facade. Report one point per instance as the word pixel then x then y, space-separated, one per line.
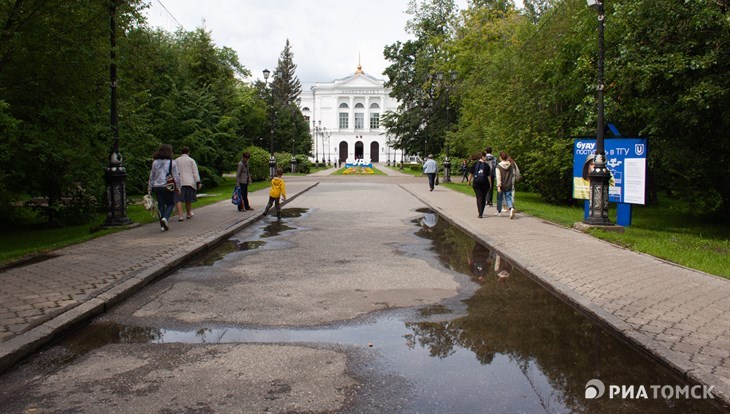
pixel 345 117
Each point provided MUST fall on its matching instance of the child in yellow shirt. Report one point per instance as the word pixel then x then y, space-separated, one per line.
pixel 278 189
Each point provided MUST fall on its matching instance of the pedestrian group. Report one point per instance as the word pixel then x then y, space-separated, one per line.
pixel 485 174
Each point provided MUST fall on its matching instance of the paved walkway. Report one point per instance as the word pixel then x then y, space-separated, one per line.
pixel 680 316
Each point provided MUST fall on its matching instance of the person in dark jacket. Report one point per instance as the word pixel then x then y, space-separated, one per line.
pixel 243 179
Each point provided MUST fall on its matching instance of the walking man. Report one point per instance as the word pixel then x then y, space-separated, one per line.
pixel 430 168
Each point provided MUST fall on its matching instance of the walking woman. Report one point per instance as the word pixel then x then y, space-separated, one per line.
pixel 243 179
pixel 164 167
pixel 506 171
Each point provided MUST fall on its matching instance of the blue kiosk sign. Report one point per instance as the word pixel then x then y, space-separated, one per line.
pixel 626 159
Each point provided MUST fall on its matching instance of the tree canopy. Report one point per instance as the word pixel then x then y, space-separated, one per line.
pixel 526 84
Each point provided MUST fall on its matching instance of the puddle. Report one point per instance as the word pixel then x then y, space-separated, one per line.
pixel 269 230
pixel 510 347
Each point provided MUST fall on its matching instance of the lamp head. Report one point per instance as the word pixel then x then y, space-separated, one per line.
pixel 266 74
pixel 593 3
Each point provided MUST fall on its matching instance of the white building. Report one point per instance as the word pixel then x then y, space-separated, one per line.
pixel 345 118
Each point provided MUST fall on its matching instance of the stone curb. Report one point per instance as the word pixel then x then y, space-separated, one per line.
pixel 15 349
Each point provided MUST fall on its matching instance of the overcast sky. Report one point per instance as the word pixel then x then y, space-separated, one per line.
pixel 326 36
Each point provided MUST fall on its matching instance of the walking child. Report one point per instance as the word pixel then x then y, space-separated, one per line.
pixel 278 189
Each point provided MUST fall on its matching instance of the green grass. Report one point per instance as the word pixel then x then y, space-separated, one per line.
pixel 31 237
pixel 661 231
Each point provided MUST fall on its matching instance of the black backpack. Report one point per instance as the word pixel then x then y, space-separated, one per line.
pixel 481 172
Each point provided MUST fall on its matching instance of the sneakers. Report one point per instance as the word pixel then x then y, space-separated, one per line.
pixel 480 216
pixel 163 224
pixel 498 214
pixel 511 214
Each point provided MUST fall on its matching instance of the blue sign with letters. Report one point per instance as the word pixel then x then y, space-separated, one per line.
pixel 625 158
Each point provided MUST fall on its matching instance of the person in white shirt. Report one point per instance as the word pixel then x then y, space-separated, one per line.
pixel 189 183
pixel 430 168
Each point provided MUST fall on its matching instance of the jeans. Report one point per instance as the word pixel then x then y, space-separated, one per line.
pixel 165 201
pixel 431 180
pixel 507 195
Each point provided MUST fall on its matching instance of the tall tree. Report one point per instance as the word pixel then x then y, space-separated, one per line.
pixel 291 130
pixel 418 126
pixel 286 85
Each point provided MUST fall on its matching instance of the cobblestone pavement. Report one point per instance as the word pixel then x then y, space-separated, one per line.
pixel 679 316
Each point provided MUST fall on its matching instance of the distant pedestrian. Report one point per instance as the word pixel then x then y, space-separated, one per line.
pixel 278 189
pixel 430 168
pixel 164 167
pixel 464 170
pixel 506 172
pixel 189 183
pixel 243 179
pixel 481 181
pixel 492 161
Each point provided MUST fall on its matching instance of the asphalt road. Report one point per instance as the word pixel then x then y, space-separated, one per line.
pixel 350 253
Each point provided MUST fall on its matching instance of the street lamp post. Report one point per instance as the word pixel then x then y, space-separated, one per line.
pixel 293 160
pixel 316 148
pixel 599 176
pixel 116 192
pixel 328 134
pixel 272 159
pixel 447 161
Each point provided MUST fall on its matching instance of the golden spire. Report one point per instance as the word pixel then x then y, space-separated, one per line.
pixel 359 66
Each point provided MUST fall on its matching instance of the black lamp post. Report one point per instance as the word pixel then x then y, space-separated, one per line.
pixel 293 160
pixel 447 161
pixel 599 176
pixel 272 159
pixel 327 135
pixel 116 192
pixel 317 133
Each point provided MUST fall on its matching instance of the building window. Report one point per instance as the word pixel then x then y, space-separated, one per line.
pixel 359 120
pixel 374 120
pixel 306 118
pixel 344 120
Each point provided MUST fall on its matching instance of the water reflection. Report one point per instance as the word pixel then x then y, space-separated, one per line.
pixel 510 347
pixel 556 348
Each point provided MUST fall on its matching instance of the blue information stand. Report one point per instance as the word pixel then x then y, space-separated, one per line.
pixel 626 159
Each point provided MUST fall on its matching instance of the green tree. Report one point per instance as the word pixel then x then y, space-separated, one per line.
pixel 291 131
pixel 419 124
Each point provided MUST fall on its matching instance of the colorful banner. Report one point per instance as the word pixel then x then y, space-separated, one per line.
pixel 625 158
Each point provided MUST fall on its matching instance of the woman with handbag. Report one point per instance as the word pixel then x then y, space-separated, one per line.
pixel 243 179
pixel 164 182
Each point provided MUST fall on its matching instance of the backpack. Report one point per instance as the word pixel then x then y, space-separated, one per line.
pixel 481 172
